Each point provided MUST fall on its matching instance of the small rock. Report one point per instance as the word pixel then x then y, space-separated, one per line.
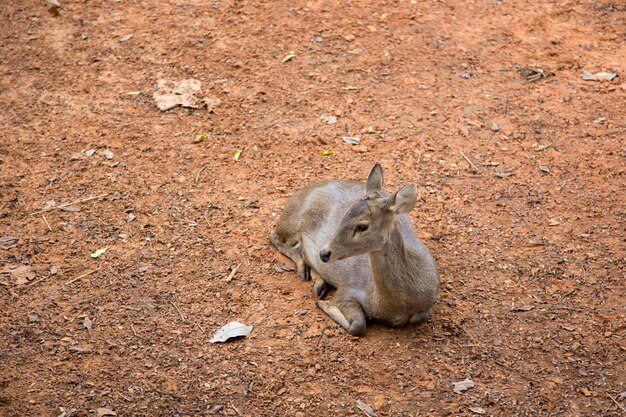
pixel 465 74
pixel 108 154
pixel 477 410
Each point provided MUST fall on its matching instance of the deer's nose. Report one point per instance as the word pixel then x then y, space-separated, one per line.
pixel 324 255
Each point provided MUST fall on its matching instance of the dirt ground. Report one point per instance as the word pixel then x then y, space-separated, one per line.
pixel 521 177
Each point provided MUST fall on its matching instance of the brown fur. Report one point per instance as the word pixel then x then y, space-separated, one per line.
pixel 383 272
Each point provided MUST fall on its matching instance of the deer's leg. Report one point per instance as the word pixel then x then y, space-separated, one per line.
pixel 292 251
pixel 348 314
pixel 319 285
pixel 420 317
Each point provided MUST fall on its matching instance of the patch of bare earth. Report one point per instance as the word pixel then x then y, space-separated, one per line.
pixel 522 204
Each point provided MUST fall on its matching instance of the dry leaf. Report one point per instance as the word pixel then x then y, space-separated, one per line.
pixel 522 308
pixel 53 7
pixel 230 330
pixel 351 140
pixel 329 120
pixel 183 93
pixel 20 274
pixel 461 386
pixel 365 408
pixel 87 324
pixel 8 242
pixel 288 57
pixel 101 412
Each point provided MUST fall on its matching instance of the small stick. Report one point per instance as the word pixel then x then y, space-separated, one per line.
pixel 179 312
pixel 38 280
pixel 470 162
pixel 200 327
pixel 84 200
pixel 616 403
pixel 46 221
pixel 232 273
pixel 131 308
pixel 206 220
pixel 81 276
pixel 235 408
pixel 200 172
pixel 321 336
pixel 133 329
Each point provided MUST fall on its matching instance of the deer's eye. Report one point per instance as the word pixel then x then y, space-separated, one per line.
pixel 361 227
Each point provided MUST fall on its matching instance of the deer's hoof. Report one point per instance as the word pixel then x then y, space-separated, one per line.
pixel 320 289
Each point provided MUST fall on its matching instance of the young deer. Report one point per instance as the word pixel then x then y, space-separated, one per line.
pixel 359 240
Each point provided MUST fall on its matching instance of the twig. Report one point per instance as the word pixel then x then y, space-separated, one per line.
pixel 81 276
pixel 200 172
pixel 470 162
pixel 616 403
pixel 232 273
pixel 235 408
pixel 133 329
pixel 206 220
pixel 46 221
pixel 321 336
pixel 84 200
pixel 30 284
pixel 131 308
pixel 182 317
pixel 200 327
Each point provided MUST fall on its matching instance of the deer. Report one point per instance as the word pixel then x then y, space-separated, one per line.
pixel 358 239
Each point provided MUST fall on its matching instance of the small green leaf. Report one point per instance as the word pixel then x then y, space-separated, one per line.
pixel 255 148
pixel 328 152
pixel 237 154
pixel 200 137
pixel 288 57
pixel 134 93
pixel 99 253
pixel 540 147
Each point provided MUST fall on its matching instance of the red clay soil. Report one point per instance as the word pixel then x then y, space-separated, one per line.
pixel 520 165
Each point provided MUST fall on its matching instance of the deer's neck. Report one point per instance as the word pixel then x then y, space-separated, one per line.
pixel 395 268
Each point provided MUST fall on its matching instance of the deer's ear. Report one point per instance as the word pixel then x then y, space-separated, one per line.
pixel 403 200
pixel 374 180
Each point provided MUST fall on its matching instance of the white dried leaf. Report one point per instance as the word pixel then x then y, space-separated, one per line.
pixel 461 386
pixel 351 140
pixel 230 330
pixel 366 408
